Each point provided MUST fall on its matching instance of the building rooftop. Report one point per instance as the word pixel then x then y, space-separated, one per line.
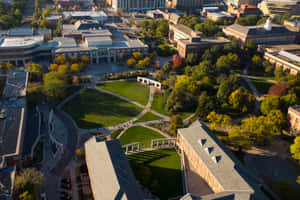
pixel 87 24
pixel 65 42
pixel 185 29
pixel 259 30
pixel 20 31
pixel 289 53
pixel 216 157
pixel 20 41
pixel 295 108
pixel 206 40
pixel 92 14
pixel 12 109
pixel 109 170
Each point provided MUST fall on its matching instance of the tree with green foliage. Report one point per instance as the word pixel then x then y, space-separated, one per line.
pixel 206 104
pixel 250 20
pixel 85 59
pixel 208 28
pixel 176 122
pixel 191 59
pixel 75 68
pixel 218 120
pixel 36 71
pixel 28 183
pixel 137 55
pixel 131 62
pixel 60 60
pixel 144 62
pixel 226 88
pixel 227 62
pixel 4 66
pixel 167 67
pixel 295 149
pixel 269 103
pixel 54 85
pixel 239 138
pixel 242 100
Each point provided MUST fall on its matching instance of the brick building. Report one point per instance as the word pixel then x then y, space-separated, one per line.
pixel 261 34
pixel 294 120
pixel 190 41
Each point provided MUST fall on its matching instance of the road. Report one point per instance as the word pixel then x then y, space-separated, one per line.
pixel 51 183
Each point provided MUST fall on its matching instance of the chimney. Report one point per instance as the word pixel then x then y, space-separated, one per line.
pixel 268 24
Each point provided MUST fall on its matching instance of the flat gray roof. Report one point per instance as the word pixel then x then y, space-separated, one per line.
pixel 20 41
pixel 65 42
pixel 109 170
pixel 12 111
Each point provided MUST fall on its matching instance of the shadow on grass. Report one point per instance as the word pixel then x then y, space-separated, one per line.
pixel 159 171
pixel 146 157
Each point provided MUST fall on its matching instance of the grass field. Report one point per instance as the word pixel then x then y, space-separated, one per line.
pixel 158 104
pixel 116 133
pixel 262 86
pixel 148 117
pixel 165 171
pixel 139 134
pixel 93 109
pixel 129 89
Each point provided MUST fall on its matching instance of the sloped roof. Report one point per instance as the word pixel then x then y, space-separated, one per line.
pixel 109 170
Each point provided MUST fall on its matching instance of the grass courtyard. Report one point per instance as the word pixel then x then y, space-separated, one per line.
pixel 148 117
pixel 262 86
pixel 159 171
pixel 94 109
pixel 139 134
pixel 158 104
pixel 129 89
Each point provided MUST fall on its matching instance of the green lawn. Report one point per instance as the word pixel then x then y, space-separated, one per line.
pixel 262 86
pixel 129 89
pixel 93 109
pixel 158 104
pixel 165 171
pixel 148 117
pixel 139 134
pixel 116 133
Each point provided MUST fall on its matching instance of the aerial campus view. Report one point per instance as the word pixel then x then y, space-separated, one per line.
pixel 150 99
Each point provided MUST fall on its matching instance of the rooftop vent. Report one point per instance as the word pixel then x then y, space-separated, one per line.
pixel 216 159
pixel 209 149
pixel 202 141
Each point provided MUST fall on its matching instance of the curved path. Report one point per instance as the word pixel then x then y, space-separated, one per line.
pixel 53 176
pixel 107 130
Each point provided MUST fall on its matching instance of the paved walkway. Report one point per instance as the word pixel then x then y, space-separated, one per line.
pixel 107 130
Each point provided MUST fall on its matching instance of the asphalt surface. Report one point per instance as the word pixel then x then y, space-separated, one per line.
pixel 32 131
pixel 51 185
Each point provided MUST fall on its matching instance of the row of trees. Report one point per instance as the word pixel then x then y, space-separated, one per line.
pixel 207 27
pixel 39 18
pixel 137 60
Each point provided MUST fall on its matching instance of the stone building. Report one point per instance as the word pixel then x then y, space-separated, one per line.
pixel 211 171
pixel 285 56
pixel 294 120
